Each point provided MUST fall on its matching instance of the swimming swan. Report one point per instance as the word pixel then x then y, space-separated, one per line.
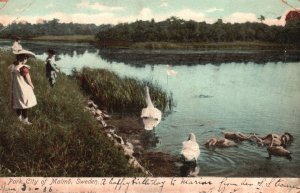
pixel 190 149
pixel 151 116
pixel 170 71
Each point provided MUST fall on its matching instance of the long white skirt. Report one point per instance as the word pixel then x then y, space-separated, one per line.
pixel 22 94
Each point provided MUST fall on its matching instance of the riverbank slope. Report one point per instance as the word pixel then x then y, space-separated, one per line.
pixel 64 139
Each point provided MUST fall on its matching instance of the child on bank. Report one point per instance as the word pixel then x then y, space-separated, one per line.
pixel 51 68
pixel 22 94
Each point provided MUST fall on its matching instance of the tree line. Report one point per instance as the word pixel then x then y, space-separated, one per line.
pixel 175 29
pixel 172 29
pixel 52 27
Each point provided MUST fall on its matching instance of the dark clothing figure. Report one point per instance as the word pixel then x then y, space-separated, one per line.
pixel 51 70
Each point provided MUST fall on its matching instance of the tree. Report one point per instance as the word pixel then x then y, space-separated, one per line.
pixel 261 18
pixel 292 31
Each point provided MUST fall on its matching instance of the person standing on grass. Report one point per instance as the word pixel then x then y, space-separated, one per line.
pixel 51 68
pixel 22 95
pixel 16 47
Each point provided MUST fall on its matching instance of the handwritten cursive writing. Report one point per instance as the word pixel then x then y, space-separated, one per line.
pixel 283 184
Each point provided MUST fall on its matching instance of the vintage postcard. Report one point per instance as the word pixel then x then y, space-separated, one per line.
pixel 149 96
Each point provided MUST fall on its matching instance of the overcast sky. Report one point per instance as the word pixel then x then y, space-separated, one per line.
pixel 119 11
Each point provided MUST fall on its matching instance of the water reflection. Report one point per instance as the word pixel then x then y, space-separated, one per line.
pixel 149 139
pixel 140 58
pixel 189 170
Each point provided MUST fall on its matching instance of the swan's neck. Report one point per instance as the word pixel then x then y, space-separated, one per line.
pixel 148 99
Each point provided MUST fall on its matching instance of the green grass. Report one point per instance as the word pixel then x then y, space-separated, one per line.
pixel 64 140
pixel 122 95
pixel 67 38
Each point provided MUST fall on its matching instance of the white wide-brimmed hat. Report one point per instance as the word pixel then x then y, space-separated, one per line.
pixel 25 52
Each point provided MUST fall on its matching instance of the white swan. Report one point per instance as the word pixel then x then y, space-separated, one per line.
pixel 190 149
pixel 151 116
pixel 170 71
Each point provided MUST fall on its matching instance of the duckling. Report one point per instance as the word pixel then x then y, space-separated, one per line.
pixel 278 140
pixel 266 140
pixel 236 136
pixel 223 142
pixel 278 151
pixel 287 138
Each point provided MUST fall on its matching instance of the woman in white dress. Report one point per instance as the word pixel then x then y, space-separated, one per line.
pixel 22 95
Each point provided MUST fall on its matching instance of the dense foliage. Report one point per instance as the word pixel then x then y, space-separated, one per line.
pixel 172 29
pixel 52 27
pixel 178 30
pixel 64 139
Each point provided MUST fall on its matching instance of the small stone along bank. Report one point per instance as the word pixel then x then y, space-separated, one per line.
pixel 128 132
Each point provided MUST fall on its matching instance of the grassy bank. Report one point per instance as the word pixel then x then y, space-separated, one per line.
pixel 64 140
pixel 118 94
pixel 67 38
pixel 202 46
pixel 237 45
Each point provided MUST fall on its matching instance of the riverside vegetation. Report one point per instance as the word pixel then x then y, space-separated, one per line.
pixel 172 33
pixel 176 32
pixel 64 139
pixel 121 95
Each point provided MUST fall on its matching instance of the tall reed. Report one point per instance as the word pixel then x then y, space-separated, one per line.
pixel 118 94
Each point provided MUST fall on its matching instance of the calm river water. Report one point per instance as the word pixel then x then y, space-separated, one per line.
pixel 214 91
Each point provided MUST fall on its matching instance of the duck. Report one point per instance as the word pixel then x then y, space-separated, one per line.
pixel 151 116
pixel 190 149
pixel 223 142
pixel 236 136
pixel 278 151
